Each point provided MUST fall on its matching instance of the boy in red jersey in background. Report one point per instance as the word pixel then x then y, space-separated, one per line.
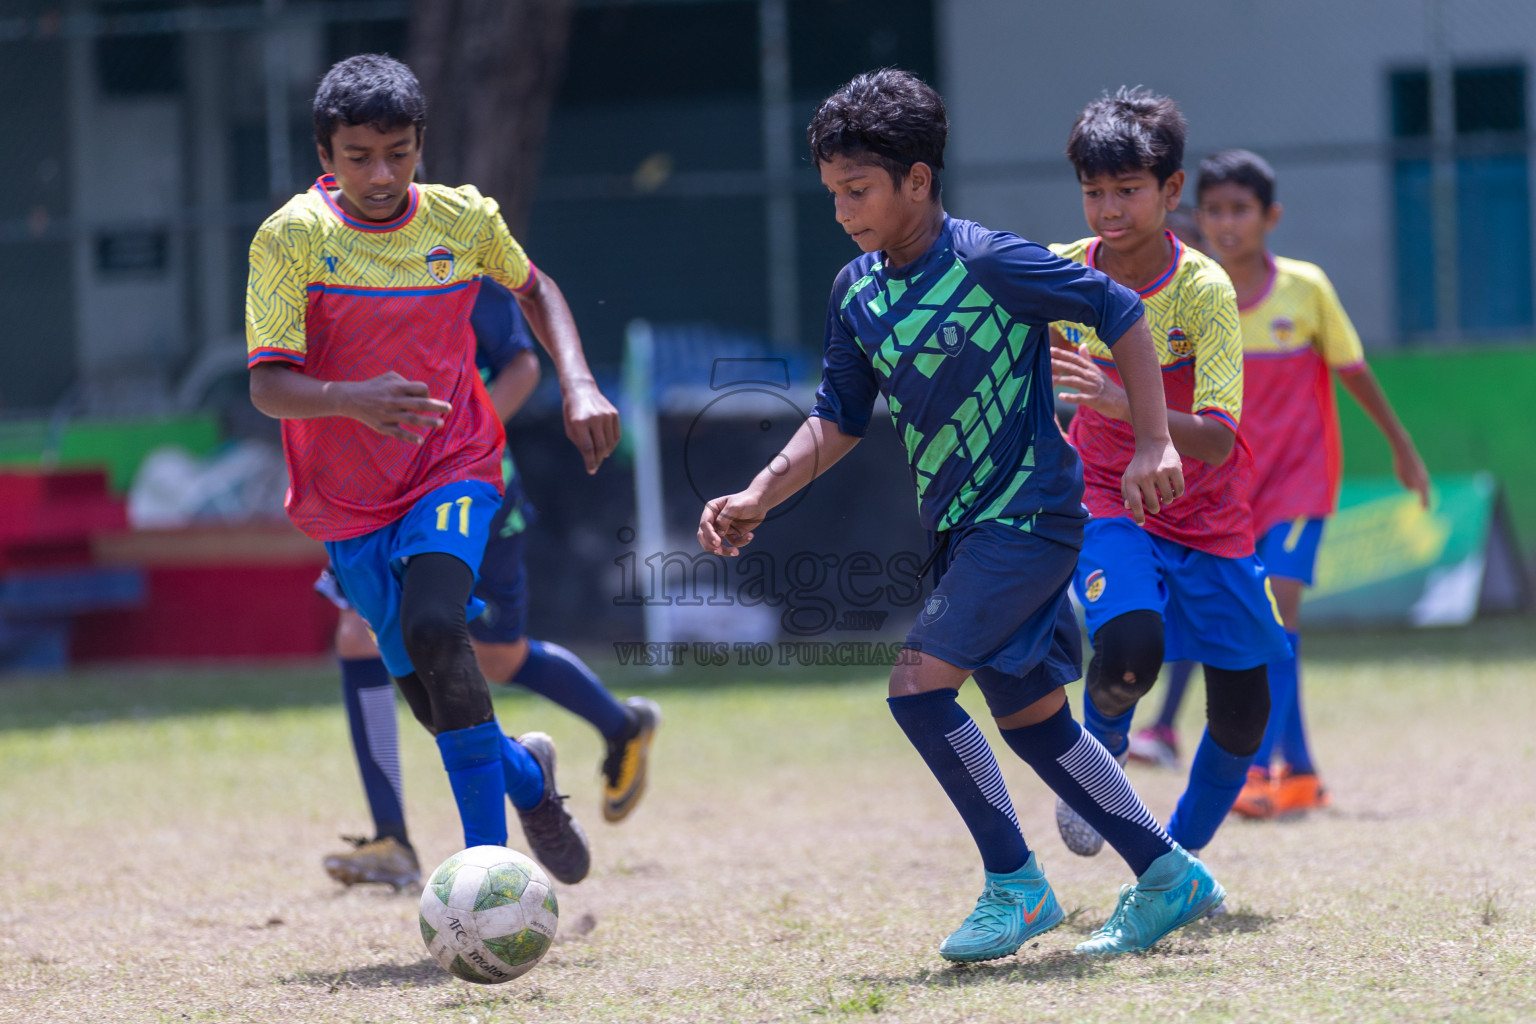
pixel 357 324
pixel 1186 582
pixel 1296 335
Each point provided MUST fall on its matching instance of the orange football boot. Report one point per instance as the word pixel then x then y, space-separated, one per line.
pixel 1257 800
pixel 1295 792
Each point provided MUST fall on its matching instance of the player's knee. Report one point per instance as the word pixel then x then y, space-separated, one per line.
pixel 352 637
pixel 432 633
pixel 1237 707
pixel 500 661
pixel 1127 655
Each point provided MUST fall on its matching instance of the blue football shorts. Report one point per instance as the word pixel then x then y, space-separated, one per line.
pixel 1217 611
pixel 1000 608
pixel 1289 549
pixel 503 585
pixel 454 519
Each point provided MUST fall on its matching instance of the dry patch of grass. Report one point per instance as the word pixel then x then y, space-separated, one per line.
pixel 160 840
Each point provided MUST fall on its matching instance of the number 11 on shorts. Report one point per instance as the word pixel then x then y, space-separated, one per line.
pixel 447 507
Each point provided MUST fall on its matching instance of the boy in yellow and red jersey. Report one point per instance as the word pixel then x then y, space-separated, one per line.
pixel 358 329
pixel 1296 337
pixel 1186 584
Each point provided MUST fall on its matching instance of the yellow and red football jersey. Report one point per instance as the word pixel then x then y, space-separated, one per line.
pixel 1192 314
pixel 1294 332
pixel 338 298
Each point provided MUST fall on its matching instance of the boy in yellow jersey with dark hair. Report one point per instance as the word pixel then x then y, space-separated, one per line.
pixel 359 340
pixel 1296 336
pixel 1186 583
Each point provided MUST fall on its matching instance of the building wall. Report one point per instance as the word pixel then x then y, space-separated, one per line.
pixel 1304 83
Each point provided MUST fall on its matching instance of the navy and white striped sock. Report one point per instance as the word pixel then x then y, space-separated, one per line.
pixel 1080 771
pixel 369 696
pixel 958 755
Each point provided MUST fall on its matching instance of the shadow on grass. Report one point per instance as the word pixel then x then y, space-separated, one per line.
pixel 425 973
pixel 1029 967
pixel 1238 921
pixel 1026 967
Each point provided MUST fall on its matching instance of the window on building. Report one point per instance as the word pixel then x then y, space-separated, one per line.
pixel 1489 202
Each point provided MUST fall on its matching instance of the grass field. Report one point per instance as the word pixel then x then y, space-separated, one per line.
pixel 161 833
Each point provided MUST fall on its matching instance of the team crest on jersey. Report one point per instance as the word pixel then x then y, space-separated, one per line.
pixel 934 610
pixel 440 263
pixel 1281 329
pixel 951 337
pixel 1093 587
pixel 1178 343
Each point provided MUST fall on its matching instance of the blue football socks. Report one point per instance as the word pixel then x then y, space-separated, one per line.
pixel 960 758
pixel 1178 681
pixel 552 671
pixel 473 758
pixel 1215 778
pixel 1283 698
pixel 1293 731
pixel 369 696
pixel 522 778
pixel 1080 771
pixel 1112 732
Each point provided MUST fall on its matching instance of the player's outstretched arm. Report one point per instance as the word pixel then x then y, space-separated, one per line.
pixel 726 525
pixel 1406 463
pixel 387 403
pixel 591 421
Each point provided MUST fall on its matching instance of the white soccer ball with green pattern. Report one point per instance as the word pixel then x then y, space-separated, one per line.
pixel 488 914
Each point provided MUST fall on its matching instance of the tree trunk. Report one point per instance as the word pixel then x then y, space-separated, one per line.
pixel 490 69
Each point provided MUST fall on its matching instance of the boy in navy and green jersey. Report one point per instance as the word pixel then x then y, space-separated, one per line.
pixel 948 322
pixel 1186 584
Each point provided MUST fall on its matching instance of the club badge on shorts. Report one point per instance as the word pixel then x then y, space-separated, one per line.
pixel 1093 586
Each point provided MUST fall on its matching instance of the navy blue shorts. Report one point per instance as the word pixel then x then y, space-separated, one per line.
pixel 1217 611
pixel 1289 550
pixel 453 519
pixel 1000 608
pixel 503 580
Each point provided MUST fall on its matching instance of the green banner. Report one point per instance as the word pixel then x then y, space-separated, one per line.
pixel 1386 559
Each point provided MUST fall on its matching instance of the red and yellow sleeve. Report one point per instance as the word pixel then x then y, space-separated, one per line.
pixel 1218 352
pixel 500 254
pixel 1337 340
pixel 275 299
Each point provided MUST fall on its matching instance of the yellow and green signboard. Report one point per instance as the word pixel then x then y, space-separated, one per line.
pixel 1386 559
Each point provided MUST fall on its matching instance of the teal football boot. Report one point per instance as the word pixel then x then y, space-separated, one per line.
pixel 1174 891
pixel 1013 909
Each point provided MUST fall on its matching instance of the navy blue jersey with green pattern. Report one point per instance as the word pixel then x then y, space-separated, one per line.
pixel 501 335
pixel 957 342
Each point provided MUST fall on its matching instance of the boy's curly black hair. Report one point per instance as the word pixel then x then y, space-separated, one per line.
pixel 372 89
pixel 1240 167
pixel 1133 130
pixel 888 117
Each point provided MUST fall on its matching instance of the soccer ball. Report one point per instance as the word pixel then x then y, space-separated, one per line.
pixel 488 914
